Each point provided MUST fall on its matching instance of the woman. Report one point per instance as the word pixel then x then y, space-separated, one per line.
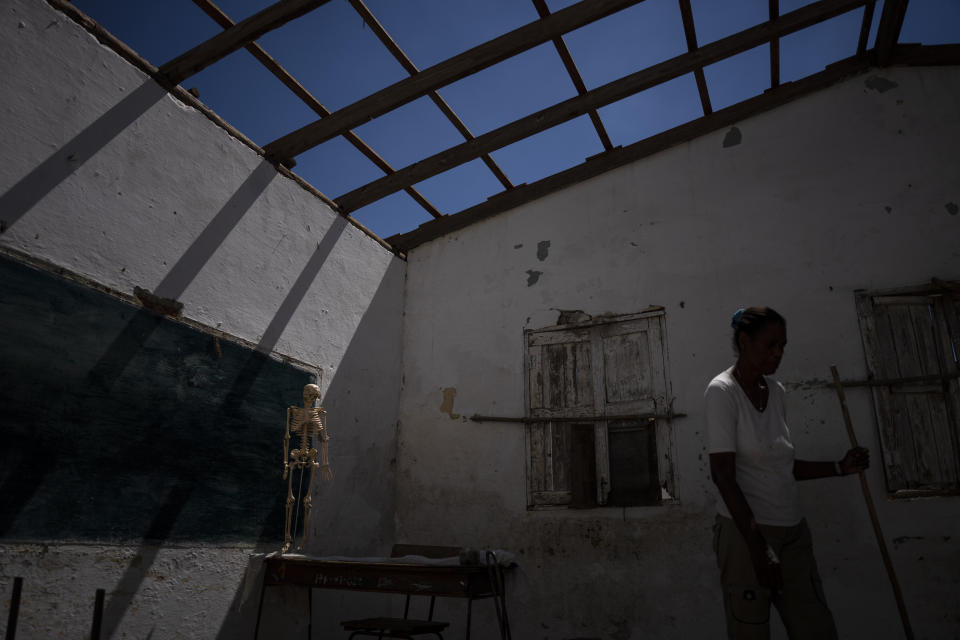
pixel 761 539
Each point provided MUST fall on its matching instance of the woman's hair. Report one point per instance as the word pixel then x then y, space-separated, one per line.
pixel 752 320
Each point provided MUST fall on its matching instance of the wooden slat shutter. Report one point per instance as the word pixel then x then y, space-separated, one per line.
pixel 589 372
pixel 633 383
pixel 909 336
pixel 561 384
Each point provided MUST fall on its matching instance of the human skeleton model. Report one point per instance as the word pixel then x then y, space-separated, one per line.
pixel 309 424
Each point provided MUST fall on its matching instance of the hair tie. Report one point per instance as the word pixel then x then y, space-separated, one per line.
pixel 736 318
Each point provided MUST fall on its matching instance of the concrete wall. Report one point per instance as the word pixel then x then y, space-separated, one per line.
pixel 853 187
pixel 111 179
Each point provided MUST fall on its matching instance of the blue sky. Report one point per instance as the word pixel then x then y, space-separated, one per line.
pixel 333 54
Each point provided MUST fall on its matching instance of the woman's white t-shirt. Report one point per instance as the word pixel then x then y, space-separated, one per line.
pixel 761 442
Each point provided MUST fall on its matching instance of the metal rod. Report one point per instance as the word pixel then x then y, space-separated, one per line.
pixel 873 512
pixel 97 615
pixel 892 381
pixel 14 609
pixel 650 417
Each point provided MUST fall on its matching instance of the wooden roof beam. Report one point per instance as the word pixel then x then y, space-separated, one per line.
pixel 543 11
pixel 412 69
pixel 443 73
pixel 927 55
pixel 236 37
pixel 631 153
pixel 686 13
pixel 774 47
pixel 598 97
pixel 865 28
pixel 301 92
pixel 888 32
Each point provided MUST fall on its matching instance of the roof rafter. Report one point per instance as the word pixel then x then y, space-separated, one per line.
pixel 888 31
pixel 929 55
pixel 221 18
pixel 223 44
pixel 631 153
pixel 865 28
pixel 575 76
pixel 774 47
pixel 412 69
pixel 686 14
pixel 598 97
pixel 443 73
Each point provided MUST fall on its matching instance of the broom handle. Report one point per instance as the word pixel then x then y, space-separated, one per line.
pixel 873 512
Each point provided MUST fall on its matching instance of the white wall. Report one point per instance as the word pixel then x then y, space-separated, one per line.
pixel 849 188
pixel 109 177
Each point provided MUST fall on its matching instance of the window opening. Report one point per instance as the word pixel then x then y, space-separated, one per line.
pixel 597 393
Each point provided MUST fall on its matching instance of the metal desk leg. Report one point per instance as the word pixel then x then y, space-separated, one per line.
pixel 263 587
pixel 14 609
pixel 309 613
pixel 498 585
pixel 469 611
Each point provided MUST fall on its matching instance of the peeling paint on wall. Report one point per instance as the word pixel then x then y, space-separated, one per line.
pixel 733 138
pixel 952 208
pixel 543 250
pixel 879 84
pixel 446 405
pixel 573 316
pixel 533 276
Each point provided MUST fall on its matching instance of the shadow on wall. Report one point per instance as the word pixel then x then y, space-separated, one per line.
pixel 362 402
pixel 268 539
pixel 163 433
pixel 32 188
pixel 127 343
pixel 353 514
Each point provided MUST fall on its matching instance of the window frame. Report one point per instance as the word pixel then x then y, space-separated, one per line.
pixel 908 438
pixel 660 426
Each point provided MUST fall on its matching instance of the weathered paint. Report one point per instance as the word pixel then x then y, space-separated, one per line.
pixel 543 250
pixel 732 138
pixel 110 179
pixel 789 220
pixel 880 84
pixel 446 405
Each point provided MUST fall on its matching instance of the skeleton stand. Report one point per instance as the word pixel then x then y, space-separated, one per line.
pixel 309 423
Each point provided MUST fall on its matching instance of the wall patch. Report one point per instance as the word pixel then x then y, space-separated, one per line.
pixel 733 138
pixel 543 250
pixel 879 84
pixel 533 276
pixel 952 208
pixel 446 405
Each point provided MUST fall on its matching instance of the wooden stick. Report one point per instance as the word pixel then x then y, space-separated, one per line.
pixel 908 631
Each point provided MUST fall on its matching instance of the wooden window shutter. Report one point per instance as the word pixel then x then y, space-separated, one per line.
pixel 913 341
pixel 581 381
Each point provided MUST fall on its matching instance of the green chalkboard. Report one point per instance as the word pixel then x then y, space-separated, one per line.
pixel 117 424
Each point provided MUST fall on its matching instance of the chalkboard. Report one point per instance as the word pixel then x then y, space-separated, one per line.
pixel 117 424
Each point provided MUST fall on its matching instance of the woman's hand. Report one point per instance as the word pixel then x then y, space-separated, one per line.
pixel 765 563
pixel 856 460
